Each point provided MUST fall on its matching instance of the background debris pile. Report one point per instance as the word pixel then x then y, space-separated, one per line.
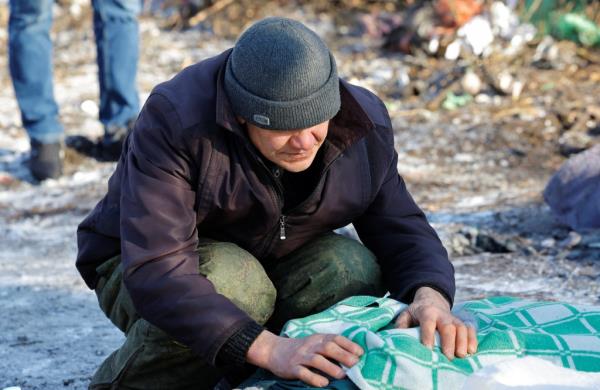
pixel 479 134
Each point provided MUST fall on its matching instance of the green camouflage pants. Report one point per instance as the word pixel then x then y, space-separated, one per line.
pixel 304 282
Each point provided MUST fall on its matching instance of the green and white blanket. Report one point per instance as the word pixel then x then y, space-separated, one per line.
pixel 507 328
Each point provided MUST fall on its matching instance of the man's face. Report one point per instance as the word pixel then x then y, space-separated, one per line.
pixel 292 150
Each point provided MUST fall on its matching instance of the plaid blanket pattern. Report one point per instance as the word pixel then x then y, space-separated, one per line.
pixel 507 328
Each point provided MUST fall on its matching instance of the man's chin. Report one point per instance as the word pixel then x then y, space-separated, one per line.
pixel 296 166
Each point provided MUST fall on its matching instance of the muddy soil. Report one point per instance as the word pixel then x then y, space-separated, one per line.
pixel 477 171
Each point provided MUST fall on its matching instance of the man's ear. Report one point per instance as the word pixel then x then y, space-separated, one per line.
pixel 241 120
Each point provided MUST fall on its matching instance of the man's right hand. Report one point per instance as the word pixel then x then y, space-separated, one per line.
pixel 299 358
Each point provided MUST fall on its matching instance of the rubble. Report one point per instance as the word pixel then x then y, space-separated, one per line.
pixel 471 83
pixel 478 169
pixel 573 192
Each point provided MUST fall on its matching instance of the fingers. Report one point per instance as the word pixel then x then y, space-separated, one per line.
pixel 325 347
pixel 472 343
pixel 341 350
pixel 310 377
pixel 428 333
pixel 320 363
pixel 458 339
pixel 348 345
pixel 448 339
pixel 404 320
pixel 461 340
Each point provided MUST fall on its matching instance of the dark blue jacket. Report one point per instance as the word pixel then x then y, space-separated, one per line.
pixel 189 170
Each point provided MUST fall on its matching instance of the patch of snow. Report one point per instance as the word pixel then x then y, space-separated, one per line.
pixel 531 373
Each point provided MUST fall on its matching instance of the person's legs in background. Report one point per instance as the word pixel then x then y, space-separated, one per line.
pixel 117 43
pixel 30 62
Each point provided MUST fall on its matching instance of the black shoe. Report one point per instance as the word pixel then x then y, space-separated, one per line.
pixel 82 144
pixel 46 160
pixel 111 145
pixel 108 148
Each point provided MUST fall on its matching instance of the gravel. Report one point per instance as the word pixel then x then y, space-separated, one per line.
pixel 477 171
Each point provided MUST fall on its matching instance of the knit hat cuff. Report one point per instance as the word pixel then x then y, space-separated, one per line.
pixel 308 111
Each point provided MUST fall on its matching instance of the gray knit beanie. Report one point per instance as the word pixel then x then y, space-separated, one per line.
pixel 281 76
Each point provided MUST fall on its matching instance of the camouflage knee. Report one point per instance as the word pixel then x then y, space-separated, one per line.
pixel 239 276
pixel 322 273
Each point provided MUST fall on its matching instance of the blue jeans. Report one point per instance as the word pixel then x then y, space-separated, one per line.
pixel 30 61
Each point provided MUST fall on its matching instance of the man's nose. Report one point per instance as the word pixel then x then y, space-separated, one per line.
pixel 303 139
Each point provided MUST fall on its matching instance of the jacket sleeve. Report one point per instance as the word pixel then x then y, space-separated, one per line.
pixel 159 235
pixel 396 230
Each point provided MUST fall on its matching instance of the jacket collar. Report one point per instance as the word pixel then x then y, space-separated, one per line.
pixel 350 124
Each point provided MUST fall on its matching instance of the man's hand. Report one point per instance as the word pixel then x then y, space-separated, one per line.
pixel 431 311
pixel 301 358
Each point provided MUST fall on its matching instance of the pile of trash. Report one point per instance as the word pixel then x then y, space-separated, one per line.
pixel 464 28
pixel 474 35
pixel 573 193
pixel 512 62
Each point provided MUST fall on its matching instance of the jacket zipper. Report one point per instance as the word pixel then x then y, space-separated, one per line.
pixel 282 227
pixel 278 200
pixel 283 217
pixel 280 195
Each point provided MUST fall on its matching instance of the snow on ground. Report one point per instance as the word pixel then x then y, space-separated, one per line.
pixel 53 336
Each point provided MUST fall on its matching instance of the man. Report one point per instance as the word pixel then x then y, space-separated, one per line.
pixel 30 54
pixel 220 214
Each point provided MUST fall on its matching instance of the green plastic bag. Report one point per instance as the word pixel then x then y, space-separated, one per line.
pixel 578 28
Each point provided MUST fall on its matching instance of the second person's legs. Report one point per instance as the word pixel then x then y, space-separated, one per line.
pixel 117 43
pixel 30 63
pixel 30 60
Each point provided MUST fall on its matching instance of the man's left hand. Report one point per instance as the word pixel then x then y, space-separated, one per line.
pixel 431 311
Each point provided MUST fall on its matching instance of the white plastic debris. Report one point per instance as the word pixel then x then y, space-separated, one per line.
pixel 90 107
pixel 477 34
pixel 453 50
pixel 12 388
pixel 471 83
pixel 504 20
pixel 483 98
pixel 516 89
pixel 505 81
pixel 433 45
pixel 523 34
pixel 510 85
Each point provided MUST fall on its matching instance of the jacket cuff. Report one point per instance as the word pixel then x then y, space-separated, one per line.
pixel 410 296
pixel 235 349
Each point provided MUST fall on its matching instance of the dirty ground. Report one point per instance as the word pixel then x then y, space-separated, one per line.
pixel 477 166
